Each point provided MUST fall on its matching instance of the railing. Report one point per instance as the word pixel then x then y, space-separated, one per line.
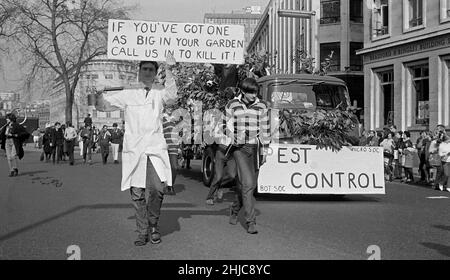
pixel 415 22
pixel 381 31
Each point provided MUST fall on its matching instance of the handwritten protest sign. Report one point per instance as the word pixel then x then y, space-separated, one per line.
pixel 302 169
pixel 188 42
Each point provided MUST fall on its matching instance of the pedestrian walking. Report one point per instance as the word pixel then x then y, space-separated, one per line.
pixel 172 142
pixel 104 139
pixel 116 138
pixel 57 142
pixel 36 134
pixel 12 136
pixel 70 136
pixel 47 142
pixel 88 120
pixel 246 150
pixel 144 146
pixel 88 137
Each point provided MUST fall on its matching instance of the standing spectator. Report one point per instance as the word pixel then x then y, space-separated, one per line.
pixel 388 147
pixel 372 139
pixel 70 135
pixel 64 150
pixel 363 138
pixel 95 134
pixel 439 157
pixel 116 137
pixel 397 162
pixel 57 142
pixel 88 120
pixel 80 140
pixel 104 139
pixel 408 153
pixel 12 136
pixel 422 144
pixel 88 136
pixel 36 134
pixel 444 153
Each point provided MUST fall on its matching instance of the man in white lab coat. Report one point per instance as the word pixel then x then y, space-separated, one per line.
pixel 144 154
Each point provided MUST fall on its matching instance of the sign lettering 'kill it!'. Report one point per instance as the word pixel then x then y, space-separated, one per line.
pixel 187 42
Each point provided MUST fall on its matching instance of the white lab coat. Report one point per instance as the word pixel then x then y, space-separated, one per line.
pixel 143 132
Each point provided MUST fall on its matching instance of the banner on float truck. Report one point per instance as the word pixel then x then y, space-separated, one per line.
pixel 303 169
pixel 188 42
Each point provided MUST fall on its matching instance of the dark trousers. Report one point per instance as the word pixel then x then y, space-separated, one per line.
pixel 87 150
pixel 104 149
pixel 424 168
pixel 409 173
pixel 222 175
pixel 173 166
pixel 148 211
pixel 245 164
pixel 70 149
pixel 57 150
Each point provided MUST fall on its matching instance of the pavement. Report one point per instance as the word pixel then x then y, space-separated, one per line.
pixel 49 209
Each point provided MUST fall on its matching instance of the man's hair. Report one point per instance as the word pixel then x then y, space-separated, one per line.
pixel 441 125
pixel 407 134
pixel 249 85
pixel 105 126
pixel 69 124
pixel 114 124
pixel 89 115
pixel 147 61
pixel 11 117
pixel 56 123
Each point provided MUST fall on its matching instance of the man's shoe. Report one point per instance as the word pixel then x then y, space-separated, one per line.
pixel 16 171
pixel 141 240
pixel 155 236
pixel 11 174
pixel 210 202
pixel 252 229
pixel 233 219
pixel 116 162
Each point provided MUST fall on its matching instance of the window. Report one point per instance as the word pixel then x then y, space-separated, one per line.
pixel 325 51
pixel 331 11
pixel 356 63
pixel 445 10
pixel 420 93
pixel 356 11
pixel 415 8
pixel 122 77
pixel 94 76
pixel 387 91
pixel 108 76
pixel 380 18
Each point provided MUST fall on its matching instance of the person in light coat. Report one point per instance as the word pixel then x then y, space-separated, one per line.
pixel 144 147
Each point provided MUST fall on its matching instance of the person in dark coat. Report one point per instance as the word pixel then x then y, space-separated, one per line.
pixel 104 139
pixel 47 142
pixel 57 142
pixel 12 136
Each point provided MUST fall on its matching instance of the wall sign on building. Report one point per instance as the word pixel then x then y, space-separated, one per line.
pixel 408 49
pixel 187 42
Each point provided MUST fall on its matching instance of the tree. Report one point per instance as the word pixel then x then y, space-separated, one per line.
pixel 61 36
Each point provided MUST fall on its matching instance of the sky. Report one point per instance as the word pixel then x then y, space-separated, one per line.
pixel 153 10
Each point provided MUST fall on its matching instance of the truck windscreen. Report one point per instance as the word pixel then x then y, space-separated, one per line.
pixel 308 96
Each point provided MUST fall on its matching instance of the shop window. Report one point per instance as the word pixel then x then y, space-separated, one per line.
pixel 330 11
pixel 387 91
pixel 420 93
pixel 94 76
pixel 328 48
pixel 356 63
pixel 108 76
pixel 380 18
pixel 356 11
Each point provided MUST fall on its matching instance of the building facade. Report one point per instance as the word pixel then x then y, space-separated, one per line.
pixel 336 26
pixel 96 75
pixel 248 17
pixel 406 64
pixel 8 101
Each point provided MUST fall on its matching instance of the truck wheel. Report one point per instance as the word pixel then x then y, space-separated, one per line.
pixel 208 167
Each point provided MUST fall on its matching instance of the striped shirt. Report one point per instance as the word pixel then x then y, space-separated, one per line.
pixel 170 136
pixel 245 125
